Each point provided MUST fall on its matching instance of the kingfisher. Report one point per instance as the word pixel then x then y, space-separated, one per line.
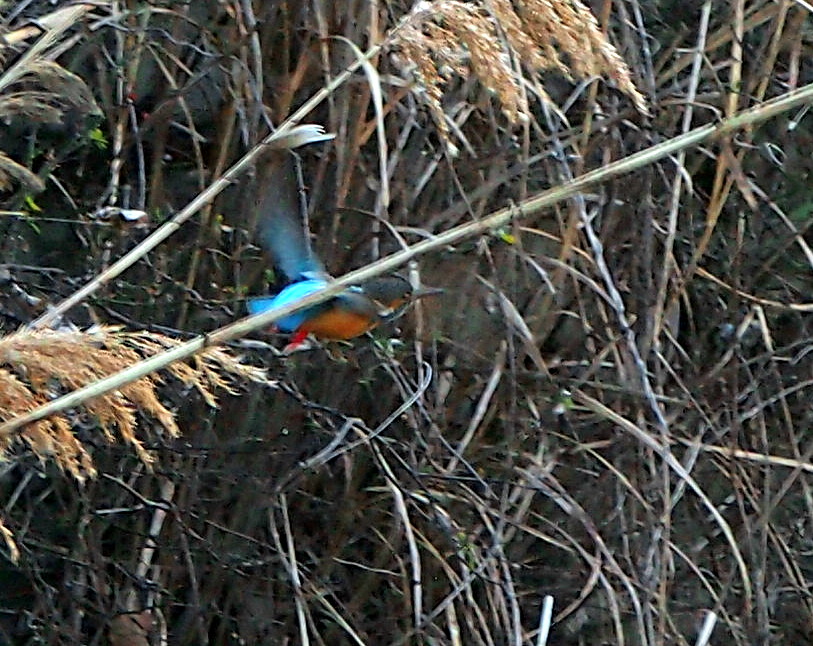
pixel 358 309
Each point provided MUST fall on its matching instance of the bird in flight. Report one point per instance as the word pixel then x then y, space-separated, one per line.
pixel 282 233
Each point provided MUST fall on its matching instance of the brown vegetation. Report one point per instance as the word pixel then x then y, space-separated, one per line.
pixel 608 408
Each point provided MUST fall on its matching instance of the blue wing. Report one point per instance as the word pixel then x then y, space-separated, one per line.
pixel 281 228
pixel 288 295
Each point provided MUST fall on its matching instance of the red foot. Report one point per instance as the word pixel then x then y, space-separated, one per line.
pixel 296 341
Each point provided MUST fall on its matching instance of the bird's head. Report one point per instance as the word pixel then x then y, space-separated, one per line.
pixel 391 294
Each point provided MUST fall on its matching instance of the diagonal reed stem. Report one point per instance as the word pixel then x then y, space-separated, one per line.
pixel 276 139
pixel 527 209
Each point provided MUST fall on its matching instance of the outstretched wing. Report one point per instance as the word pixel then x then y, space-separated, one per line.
pixel 281 228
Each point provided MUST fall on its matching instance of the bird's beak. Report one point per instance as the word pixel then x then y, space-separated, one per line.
pixel 421 292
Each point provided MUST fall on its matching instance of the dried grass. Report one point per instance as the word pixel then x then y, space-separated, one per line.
pixel 494 40
pixel 11 545
pixel 36 366
pixel 11 170
pixel 38 90
pixel 371 500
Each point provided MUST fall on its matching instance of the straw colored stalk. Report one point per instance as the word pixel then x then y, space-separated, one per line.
pixel 36 366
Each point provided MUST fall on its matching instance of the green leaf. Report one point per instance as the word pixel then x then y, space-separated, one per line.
pixel 97 137
pixel 31 205
pixel 506 236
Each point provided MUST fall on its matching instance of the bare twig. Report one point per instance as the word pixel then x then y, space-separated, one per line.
pixel 531 207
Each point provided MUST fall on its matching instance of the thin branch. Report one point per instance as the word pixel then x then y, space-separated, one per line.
pixel 499 218
pixel 274 140
pixel 667 456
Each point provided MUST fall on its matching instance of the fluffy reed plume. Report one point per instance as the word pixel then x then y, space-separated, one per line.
pixel 44 92
pixel 494 39
pixel 35 366
pixel 40 91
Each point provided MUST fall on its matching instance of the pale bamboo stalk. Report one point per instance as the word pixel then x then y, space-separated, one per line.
pixel 288 127
pixel 527 209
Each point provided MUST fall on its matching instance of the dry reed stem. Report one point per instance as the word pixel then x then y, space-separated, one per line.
pixel 11 170
pixel 11 545
pixel 51 437
pixel 59 23
pixel 499 218
pixel 56 20
pixel 38 365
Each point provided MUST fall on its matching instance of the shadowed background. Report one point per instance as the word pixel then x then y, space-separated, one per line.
pixel 463 479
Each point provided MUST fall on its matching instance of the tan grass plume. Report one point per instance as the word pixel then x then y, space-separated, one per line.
pixel 494 40
pixel 36 366
pixel 37 89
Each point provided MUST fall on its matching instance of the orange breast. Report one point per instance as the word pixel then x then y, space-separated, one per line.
pixel 338 324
